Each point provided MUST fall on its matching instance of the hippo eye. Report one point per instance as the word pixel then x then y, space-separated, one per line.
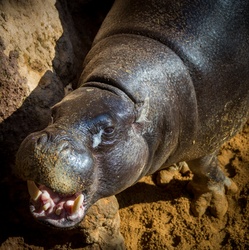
pixel 103 137
pixel 108 135
pixel 109 130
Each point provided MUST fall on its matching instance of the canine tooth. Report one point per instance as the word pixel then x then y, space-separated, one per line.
pixel 77 203
pixel 34 191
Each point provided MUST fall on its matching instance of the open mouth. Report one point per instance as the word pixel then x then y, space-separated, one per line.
pixel 54 209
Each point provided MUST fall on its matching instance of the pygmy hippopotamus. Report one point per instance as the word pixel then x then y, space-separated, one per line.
pixel 164 82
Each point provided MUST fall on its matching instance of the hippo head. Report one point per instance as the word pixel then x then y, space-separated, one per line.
pixel 92 149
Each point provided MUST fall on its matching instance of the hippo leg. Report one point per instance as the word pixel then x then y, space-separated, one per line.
pixel 209 186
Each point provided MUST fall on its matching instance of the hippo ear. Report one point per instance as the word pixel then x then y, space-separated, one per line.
pixel 142 114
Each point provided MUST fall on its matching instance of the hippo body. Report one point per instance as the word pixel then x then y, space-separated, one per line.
pixel 164 82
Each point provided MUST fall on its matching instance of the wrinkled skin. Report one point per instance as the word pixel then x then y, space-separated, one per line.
pixel 165 82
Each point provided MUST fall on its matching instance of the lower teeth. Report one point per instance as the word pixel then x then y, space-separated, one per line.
pixel 58 211
pixel 44 196
pixel 46 206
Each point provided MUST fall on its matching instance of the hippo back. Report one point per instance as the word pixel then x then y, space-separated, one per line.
pixel 212 40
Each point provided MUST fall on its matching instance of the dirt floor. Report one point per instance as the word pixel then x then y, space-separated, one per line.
pixel 159 218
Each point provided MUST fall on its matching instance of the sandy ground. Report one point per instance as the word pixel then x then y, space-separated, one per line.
pixel 155 217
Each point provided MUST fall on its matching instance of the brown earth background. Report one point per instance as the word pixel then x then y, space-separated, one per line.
pixel 42 46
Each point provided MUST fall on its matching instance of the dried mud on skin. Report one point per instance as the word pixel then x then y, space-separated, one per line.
pixel 159 218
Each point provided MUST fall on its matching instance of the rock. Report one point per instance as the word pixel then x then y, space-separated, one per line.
pixel 102 223
pixel 29 86
pixel 32 29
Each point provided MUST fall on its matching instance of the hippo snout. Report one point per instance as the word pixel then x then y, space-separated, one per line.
pixel 59 171
pixel 56 160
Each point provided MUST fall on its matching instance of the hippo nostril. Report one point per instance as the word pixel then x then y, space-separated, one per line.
pixel 43 138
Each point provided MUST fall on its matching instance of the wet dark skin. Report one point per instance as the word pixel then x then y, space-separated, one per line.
pixel 165 82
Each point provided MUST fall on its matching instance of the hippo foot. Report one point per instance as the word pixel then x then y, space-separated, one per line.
pixel 211 196
pixel 51 208
pixel 163 177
